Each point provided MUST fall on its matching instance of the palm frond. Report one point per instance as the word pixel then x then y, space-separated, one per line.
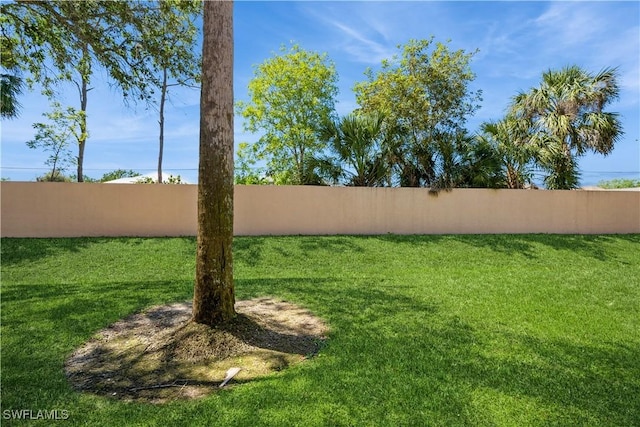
pixel 10 88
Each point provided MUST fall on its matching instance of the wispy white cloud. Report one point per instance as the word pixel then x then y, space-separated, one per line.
pixel 624 54
pixel 593 35
pixel 570 24
pixel 362 36
pixel 362 47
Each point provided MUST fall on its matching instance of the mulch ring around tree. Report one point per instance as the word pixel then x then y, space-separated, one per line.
pixel 160 355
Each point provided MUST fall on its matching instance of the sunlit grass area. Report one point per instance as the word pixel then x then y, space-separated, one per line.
pixel 508 330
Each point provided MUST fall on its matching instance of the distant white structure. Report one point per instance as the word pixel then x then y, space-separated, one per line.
pixel 166 178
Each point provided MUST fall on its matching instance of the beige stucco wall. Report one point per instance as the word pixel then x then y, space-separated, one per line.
pixel 52 209
pixel 73 209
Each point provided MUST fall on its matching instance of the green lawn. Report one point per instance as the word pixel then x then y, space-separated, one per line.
pixel 430 330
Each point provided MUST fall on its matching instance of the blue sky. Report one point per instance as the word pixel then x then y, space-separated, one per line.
pixel 517 42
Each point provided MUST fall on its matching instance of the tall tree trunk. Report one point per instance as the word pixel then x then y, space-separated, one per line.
pixel 56 157
pixel 213 299
pixel 163 97
pixel 83 128
pixel 52 177
pixel 84 92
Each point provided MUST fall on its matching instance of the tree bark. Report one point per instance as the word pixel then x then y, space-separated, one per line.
pixel 213 299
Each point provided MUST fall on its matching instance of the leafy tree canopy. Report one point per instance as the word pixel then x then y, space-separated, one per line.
pixel 292 97
pixel 11 83
pixel 55 138
pixel 48 39
pixel 58 41
pixel 424 94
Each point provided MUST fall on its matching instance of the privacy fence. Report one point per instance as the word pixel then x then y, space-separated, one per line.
pixel 30 209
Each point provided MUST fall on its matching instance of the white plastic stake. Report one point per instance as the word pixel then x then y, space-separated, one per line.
pixel 230 374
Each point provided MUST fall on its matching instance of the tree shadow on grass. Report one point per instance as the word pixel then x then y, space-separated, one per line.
pixel 334 244
pixel 248 250
pixel 77 311
pixel 19 250
pixel 43 323
pixel 392 359
pixel 24 250
pixel 398 348
pixel 251 250
pixel 503 243
pixel 526 245
pixel 578 383
pixel 329 296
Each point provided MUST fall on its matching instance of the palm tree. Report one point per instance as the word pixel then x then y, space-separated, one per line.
pixel 567 118
pixel 358 141
pixel 10 89
pixel 507 139
pixel 213 299
pixel 477 164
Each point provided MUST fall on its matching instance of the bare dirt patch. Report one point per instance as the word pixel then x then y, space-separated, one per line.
pixel 160 354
